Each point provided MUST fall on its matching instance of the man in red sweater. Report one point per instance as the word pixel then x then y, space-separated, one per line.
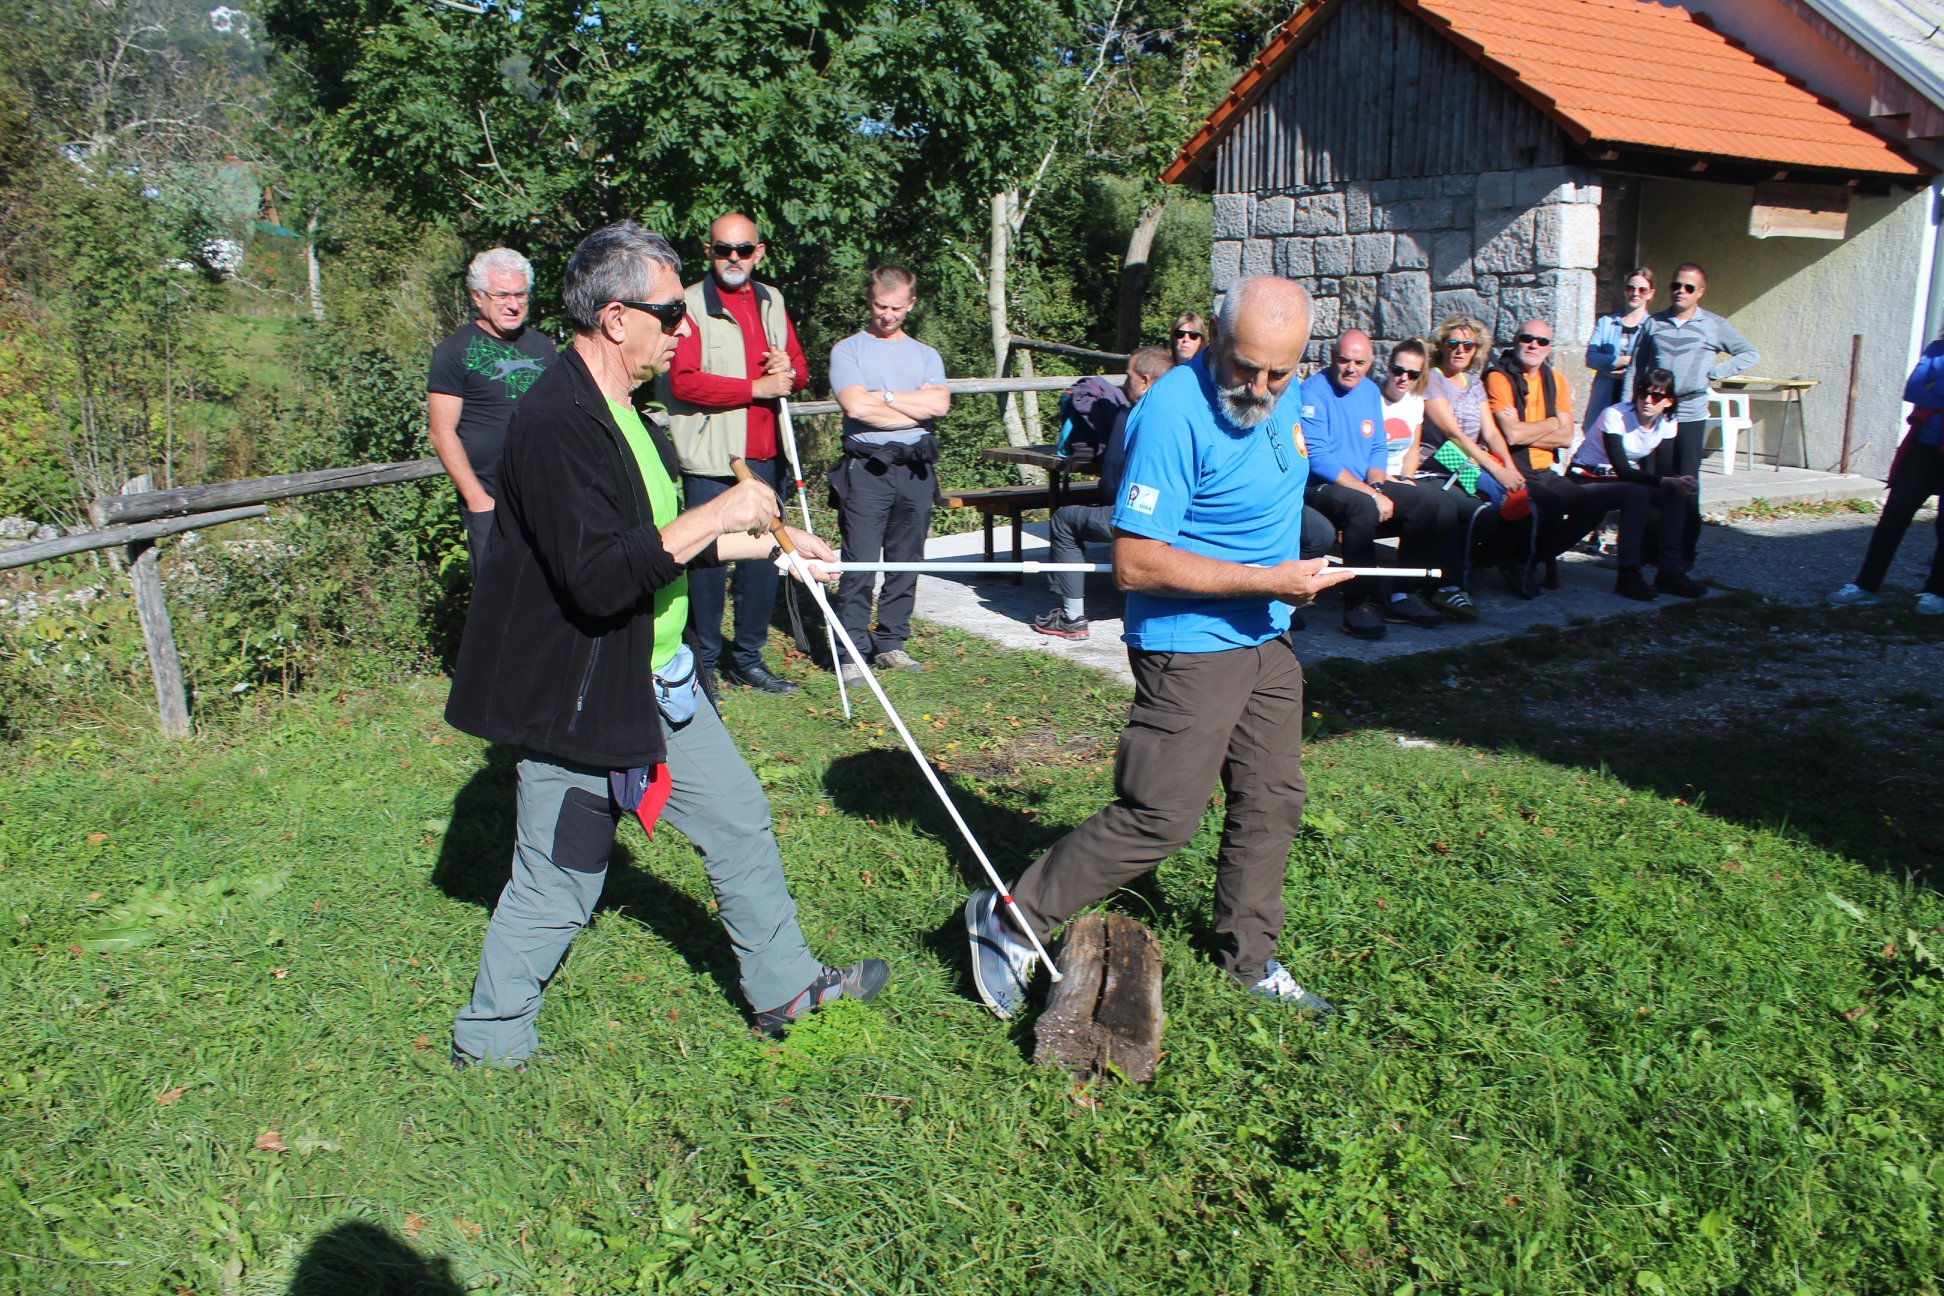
pixel 721 392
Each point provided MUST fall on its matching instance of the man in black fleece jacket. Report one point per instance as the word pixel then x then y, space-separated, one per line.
pixel 573 653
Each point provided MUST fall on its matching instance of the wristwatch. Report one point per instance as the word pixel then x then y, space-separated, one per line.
pixel 887 395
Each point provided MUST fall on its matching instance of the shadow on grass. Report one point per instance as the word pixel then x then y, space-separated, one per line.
pixel 475 860
pixel 357 1258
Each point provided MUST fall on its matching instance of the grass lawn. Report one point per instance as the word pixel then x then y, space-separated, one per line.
pixel 1624 1009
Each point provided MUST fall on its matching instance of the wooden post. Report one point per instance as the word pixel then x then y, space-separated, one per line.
pixel 1849 410
pixel 171 701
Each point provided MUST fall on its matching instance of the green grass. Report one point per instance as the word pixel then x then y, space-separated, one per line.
pixel 1593 1039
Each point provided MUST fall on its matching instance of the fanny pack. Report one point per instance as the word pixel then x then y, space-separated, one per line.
pixel 677 691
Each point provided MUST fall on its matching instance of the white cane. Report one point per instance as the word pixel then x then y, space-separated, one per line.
pixel 798 566
pixel 803 502
pixel 1031 567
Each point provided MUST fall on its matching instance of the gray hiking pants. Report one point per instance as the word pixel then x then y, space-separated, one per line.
pixel 564 834
pixel 1236 715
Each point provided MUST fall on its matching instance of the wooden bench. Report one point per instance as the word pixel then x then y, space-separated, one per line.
pixel 1013 503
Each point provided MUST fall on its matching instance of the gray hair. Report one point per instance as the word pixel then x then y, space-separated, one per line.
pixel 612 264
pixel 499 258
pixel 1279 300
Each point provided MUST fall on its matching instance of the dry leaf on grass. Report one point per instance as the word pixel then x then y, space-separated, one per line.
pixel 165 1099
pixel 270 1141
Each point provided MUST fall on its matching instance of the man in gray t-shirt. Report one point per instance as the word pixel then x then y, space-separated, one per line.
pixel 891 387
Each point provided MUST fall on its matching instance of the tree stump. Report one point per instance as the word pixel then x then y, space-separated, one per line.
pixel 1104 1017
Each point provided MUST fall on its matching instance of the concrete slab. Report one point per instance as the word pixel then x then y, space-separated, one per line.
pixel 1725 493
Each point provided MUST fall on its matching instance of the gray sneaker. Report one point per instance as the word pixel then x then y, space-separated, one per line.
pixel 898 659
pixel 1850 595
pixel 1282 987
pixel 851 673
pixel 1002 963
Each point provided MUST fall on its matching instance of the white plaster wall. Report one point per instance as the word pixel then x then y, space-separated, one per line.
pixel 1799 301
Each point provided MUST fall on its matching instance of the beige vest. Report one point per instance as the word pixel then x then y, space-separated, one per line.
pixel 706 439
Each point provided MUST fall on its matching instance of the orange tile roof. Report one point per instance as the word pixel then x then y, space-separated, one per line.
pixel 1633 73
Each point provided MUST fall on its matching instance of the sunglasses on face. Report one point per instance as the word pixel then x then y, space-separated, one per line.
pixel 1187 333
pixel 1682 287
pixel 1656 395
pixel 1460 344
pixel 668 314
pixel 723 251
pixel 1639 290
pixel 1409 375
pixel 1532 339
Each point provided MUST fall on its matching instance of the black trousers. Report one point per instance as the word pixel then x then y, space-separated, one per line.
pixel 709 588
pixel 1569 510
pixel 885 515
pixel 1916 474
pixel 1429 530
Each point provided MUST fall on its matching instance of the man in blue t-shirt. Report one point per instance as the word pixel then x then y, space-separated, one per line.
pixel 1206 536
pixel 1343 421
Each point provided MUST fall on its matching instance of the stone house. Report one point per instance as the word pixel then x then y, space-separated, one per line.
pixel 1511 159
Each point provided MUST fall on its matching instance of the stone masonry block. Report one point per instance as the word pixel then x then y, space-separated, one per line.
pixel 1505 243
pixel 1458 301
pixel 1526 302
pixel 1409 252
pixel 1372 253
pixel 1258 257
pixel 1225 264
pixel 1451 259
pixel 1333 255
pixel 1404 305
pixel 1274 216
pixel 1323 324
pixel 1319 214
pixel 1295 258
pixel 1568 236
pixel 1232 215
pixel 1497 191
pixel 1359 303
pixel 1356 210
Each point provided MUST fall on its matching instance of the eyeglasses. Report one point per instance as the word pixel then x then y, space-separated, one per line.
pixel 1187 333
pixel 723 251
pixel 1655 395
pixel 1275 443
pixel 508 296
pixel 1682 286
pixel 1412 375
pixel 1460 344
pixel 1532 339
pixel 668 314
pixel 1640 290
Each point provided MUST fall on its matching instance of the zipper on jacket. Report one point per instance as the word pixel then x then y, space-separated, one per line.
pixel 587 682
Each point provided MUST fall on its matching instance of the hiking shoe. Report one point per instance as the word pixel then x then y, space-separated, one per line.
pixel 1412 610
pixel 1929 605
pixel 897 659
pixel 1363 622
pixel 1851 595
pixel 1002 963
pixel 859 981
pixel 1455 603
pixel 851 673
pixel 1519 579
pixel 758 677
pixel 1061 626
pixel 1630 584
pixel 1282 987
pixel 1679 584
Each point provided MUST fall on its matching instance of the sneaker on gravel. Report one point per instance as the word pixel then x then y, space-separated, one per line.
pixel 1412 610
pixel 861 980
pixel 1363 622
pixel 1929 605
pixel 1002 963
pixel 1851 595
pixel 1061 626
pixel 1282 987
pixel 1455 603
pixel 897 659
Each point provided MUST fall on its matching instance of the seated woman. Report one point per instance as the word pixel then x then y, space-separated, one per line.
pixel 1454 416
pixel 1403 392
pixel 1633 444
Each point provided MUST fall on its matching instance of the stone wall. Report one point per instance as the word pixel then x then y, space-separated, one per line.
pixel 1393 257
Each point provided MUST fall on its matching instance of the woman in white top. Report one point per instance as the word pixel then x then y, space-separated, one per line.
pixel 1403 392
pixel 1634 444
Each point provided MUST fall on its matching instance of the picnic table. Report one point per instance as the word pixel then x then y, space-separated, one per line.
pixel 1013 502
pixel 1787 391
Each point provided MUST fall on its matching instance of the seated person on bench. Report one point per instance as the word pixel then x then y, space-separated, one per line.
pixel 1633 443
pixel 1073 524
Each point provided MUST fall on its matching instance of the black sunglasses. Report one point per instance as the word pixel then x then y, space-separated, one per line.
pixel 668 314
pixel 1399 371
pixel 1655 393
pixel 1680 286
pixel 1533 339
pixel 723 251
pixel 1182 333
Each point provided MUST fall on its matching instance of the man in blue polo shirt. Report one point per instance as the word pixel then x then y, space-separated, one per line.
pixel 1206 540
pixel 1343 420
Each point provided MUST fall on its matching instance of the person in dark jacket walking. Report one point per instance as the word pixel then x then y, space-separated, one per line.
pixel 1916 474
pixel 573 653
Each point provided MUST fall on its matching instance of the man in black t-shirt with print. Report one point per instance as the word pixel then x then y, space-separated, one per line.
pixel 478 374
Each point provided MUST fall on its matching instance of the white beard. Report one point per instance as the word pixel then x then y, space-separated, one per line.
pixel 733 276
pixel 1242 409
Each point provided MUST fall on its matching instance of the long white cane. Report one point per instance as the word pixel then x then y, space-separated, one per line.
pixel 1031 567
pixel 797 566
pixel 803 502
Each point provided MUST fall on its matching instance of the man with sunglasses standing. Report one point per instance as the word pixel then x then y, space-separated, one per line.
pixel 1688 342
pixel 722 392
pixel 478 374
pixel 573 654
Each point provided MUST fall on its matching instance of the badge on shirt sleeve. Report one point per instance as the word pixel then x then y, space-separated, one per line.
pixel 1368 429
pixel 1142 499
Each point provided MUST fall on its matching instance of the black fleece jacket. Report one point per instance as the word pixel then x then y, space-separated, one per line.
pixel 556 656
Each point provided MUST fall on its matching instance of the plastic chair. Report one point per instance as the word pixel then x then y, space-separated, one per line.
pixel 1728 414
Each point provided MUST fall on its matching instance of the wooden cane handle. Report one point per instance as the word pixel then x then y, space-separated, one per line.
pixel 776 528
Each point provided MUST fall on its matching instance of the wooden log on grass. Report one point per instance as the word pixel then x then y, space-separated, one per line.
pixel 1104 1018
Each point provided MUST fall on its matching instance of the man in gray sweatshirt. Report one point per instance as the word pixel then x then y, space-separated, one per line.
pixel 1688 342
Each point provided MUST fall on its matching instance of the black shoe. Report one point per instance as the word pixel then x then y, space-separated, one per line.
pixel 1519 579
pixel 1679 584
pixel 758 677
pixel 1630 584
pixel 706 677
pixel 861 980
pixel 1413 610
pixel 1363 622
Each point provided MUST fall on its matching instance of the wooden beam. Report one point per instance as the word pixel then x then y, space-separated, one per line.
pixel 158 635
pixel 62 546
pixel 1061 348
pixel 256 490
pixel 975 387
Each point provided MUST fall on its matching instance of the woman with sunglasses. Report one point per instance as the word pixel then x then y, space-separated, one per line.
pixel 1632 446
pixel 1403 393
pixel 1189 336
pixel 1454 415
pixel 1610 351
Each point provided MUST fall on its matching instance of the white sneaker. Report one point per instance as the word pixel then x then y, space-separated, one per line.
pixel 1851 595
pixel 1929 605
pixel 851 673
pixel 1281 986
